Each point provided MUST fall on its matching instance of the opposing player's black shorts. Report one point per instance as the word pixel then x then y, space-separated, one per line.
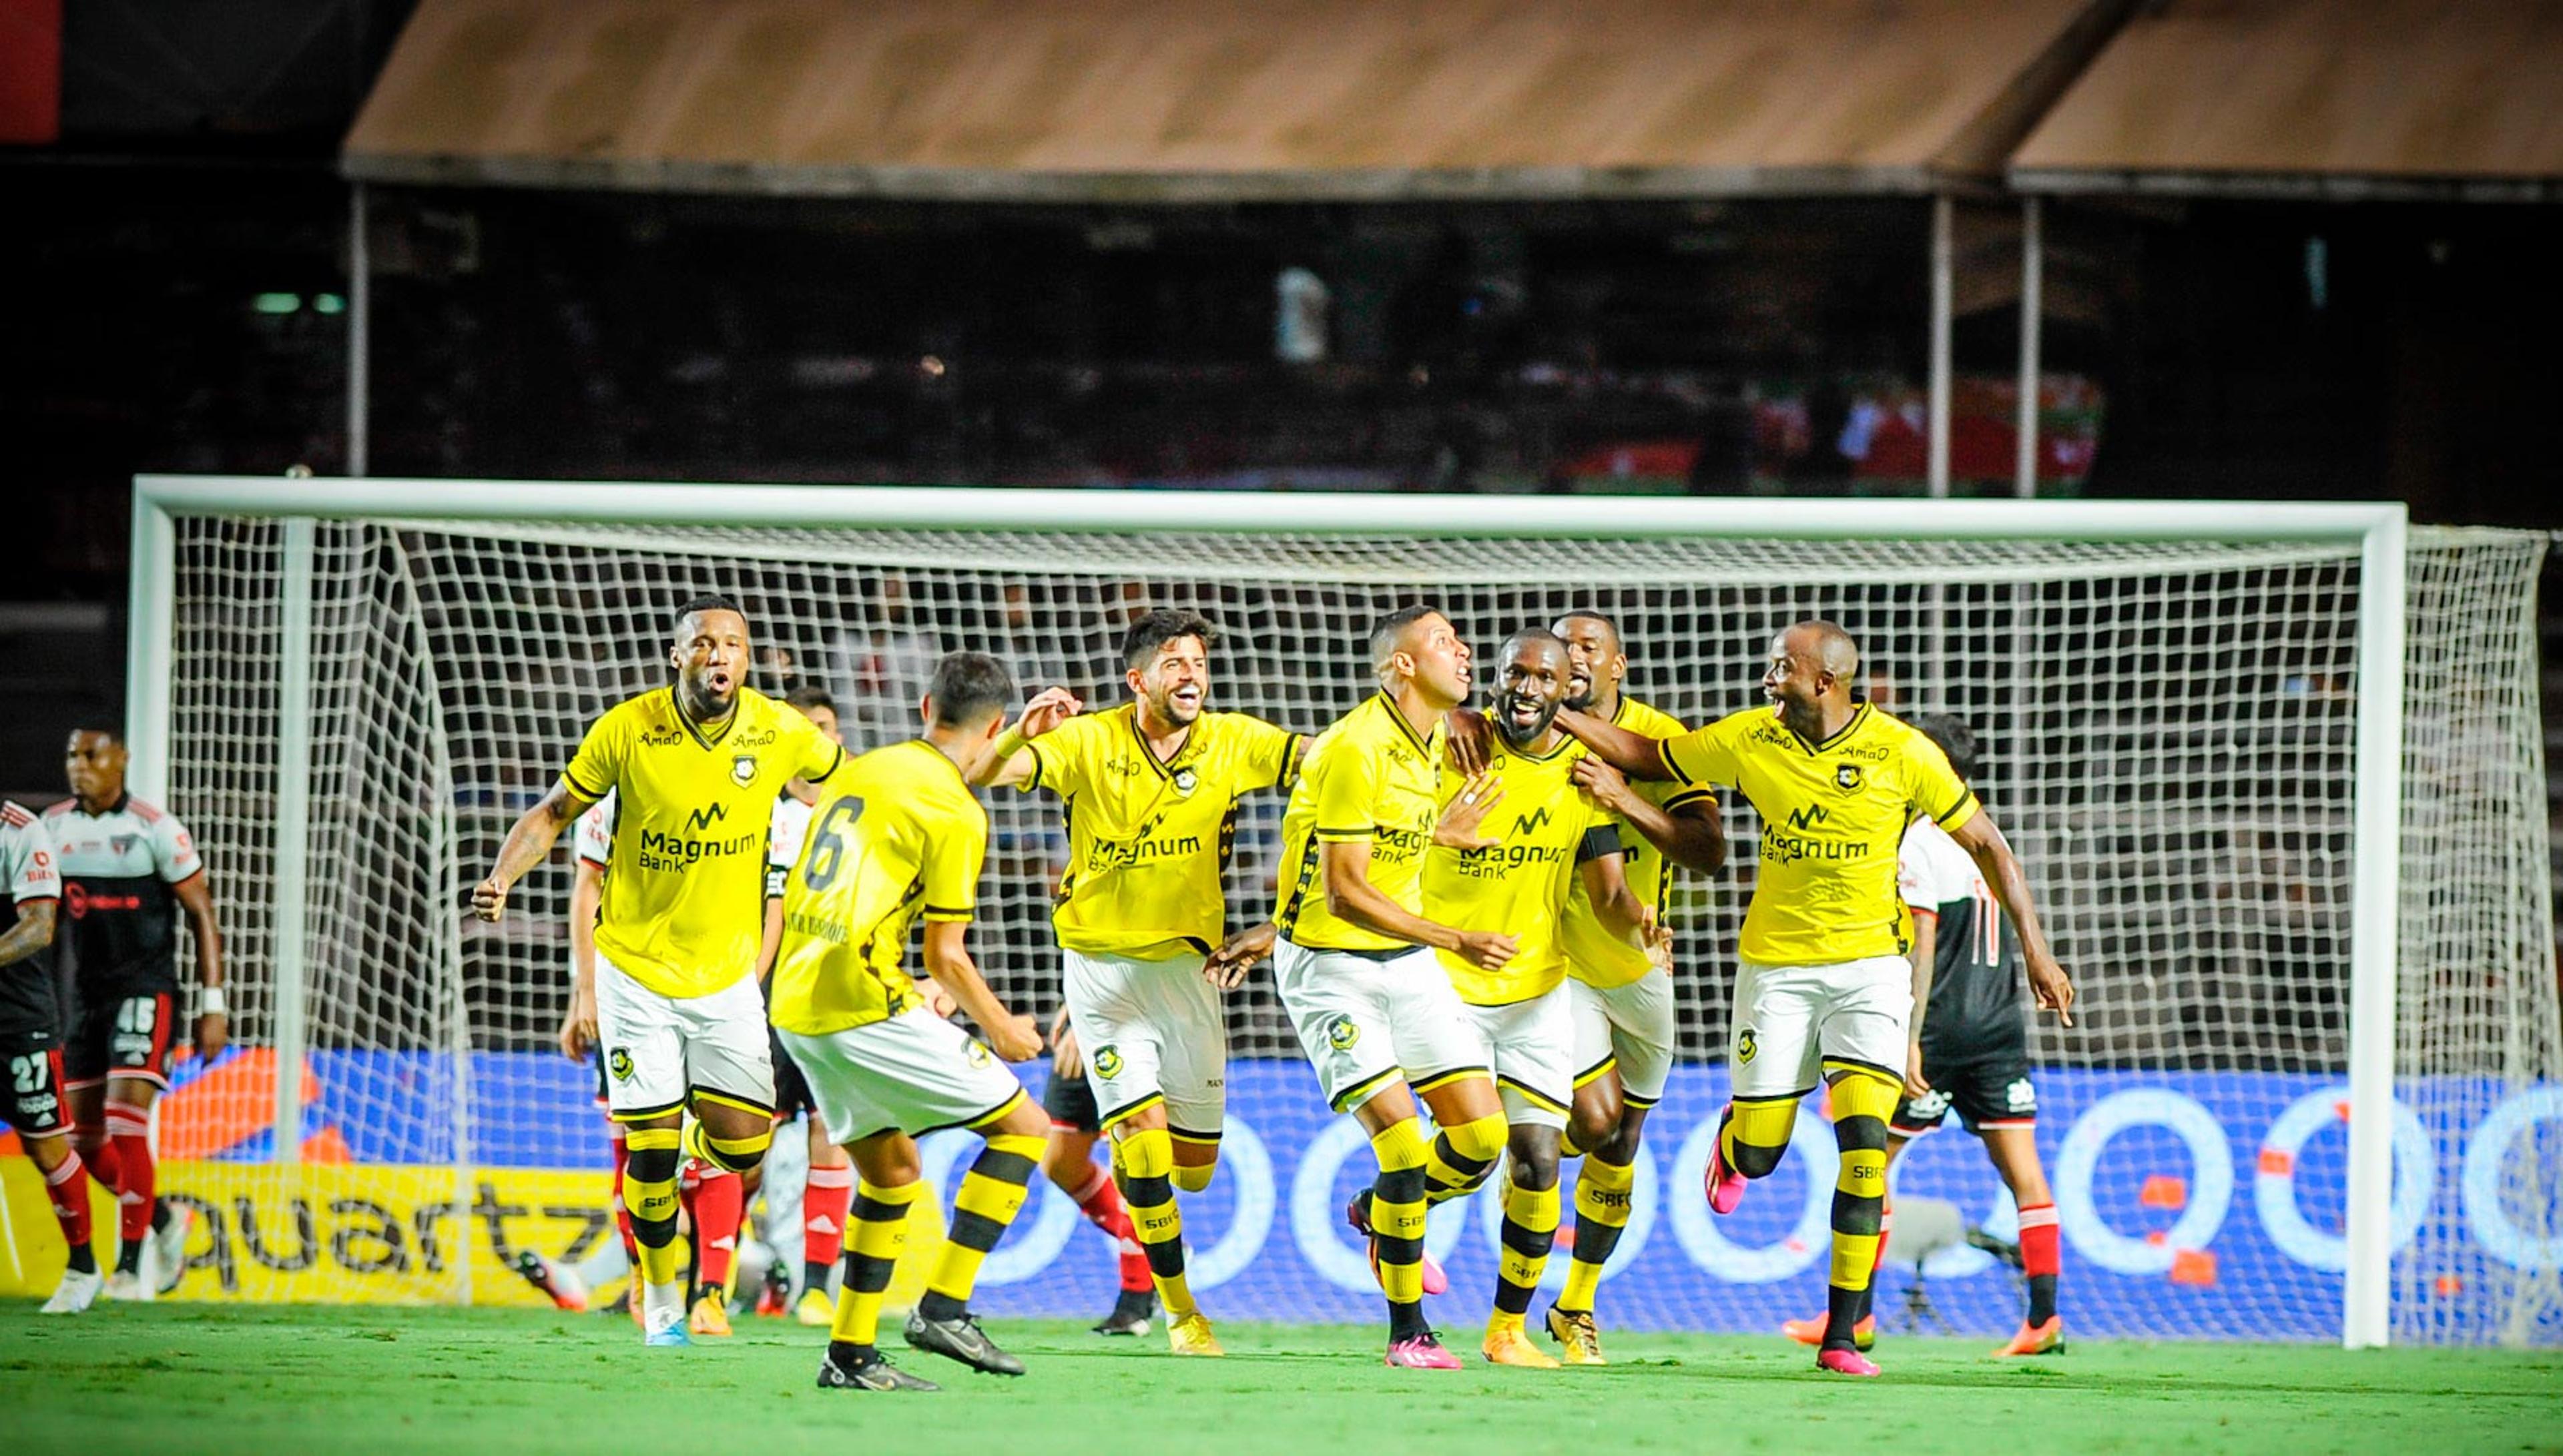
pixel 1994 1092
pixel 1070 1101
pixel 791 1089
pixel 122 1034
pixel 33 1063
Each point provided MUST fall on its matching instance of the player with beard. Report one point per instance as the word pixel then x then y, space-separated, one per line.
pixel 1550 846
pixel 695 768
pixel 1823 987
pixel 1150 793
pixel 1621 996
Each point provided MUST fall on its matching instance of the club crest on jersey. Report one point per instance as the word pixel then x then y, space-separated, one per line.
pixel 1745 1045
pixel 123 844
pixel 1846 775
pixel 1108 1063
pixel 742 769
pixel 619 1063
pixel 1185 781
pixel 1343 1032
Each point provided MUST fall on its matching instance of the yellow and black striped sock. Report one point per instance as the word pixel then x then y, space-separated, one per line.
pixel 732 1154
pixel 876 1236
pixel 1756 1133
pixel 1462 1156
pixel 1397 1225
pixel 992 1192
pixel 1863 1102
pixel 1601 1212
pixel 1529 1232
pixel 1145 1162
pixel 649 1197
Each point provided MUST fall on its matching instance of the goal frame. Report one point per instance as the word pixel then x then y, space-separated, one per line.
pixel 2378 530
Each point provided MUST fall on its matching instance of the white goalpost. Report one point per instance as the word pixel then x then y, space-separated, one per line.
pixel 2276 772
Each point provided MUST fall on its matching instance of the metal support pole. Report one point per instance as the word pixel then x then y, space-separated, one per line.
pixel 1944 269
pixel 360 311
pixel 2033 289
pixel 292 861
pixel 2375 938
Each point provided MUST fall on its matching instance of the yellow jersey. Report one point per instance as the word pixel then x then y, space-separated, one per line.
pixel 1147 840
pixel 1520 886
pixel 1371 776
pixel 1594 954
pixel 685 902
pixel 1833 816
pixel 897 837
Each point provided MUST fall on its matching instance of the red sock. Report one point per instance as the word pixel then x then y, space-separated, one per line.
pixel 623 1216
pixel 1885 1226
pixel 128 1130
pixel 2038 1253
pixel 720 1202
pixel 826 1200
pixel 71 1202
pixel 1101 1202
pixel 99 1155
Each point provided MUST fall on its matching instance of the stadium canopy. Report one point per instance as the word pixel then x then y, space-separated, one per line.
pixel 1185 101
pixel 2314 98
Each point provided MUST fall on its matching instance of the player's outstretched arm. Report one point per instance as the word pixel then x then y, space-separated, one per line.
pixel 1693 837
pixel 529 844
pixel 1633 754
pixel 2048 983
pixel 1013 762
pixel 947 960
pixel 1354 900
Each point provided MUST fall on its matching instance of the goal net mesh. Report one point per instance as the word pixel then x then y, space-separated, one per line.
pixel 2168 734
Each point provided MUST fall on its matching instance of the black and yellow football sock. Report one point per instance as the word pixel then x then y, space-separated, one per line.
pixel 649 1197
pixel 1397 1223
pixel 992 1192
pixel 1462 1156
pixel 1144 1159
pixel 1602 1194
pixel 876 1235
pixel 1756 1133
pixel 730 1155
pixel 1863 1102
pixel 1529 1232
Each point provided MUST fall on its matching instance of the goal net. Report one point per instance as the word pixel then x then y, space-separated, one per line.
pixel 2168 726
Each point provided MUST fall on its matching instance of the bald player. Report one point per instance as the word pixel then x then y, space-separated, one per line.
pixel 1823 987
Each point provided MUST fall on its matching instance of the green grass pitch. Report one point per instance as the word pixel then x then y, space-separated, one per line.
pixel 169 1380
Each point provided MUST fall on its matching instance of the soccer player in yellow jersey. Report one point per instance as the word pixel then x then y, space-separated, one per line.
pixel 695 769
pixel 1150 792
pixel 1621 996
pixel 1548 844
pixel 899 838
pixel 1355 967
pixel 1824 985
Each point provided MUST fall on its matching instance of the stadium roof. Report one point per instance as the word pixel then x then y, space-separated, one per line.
pixel 2380 99
pixel 1185 101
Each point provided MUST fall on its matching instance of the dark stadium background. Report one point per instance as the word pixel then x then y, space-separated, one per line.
pixel 180 256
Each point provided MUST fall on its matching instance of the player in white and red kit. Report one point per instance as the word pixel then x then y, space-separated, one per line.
pixel 31 1045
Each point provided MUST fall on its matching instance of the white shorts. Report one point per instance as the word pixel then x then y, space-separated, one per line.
pixel 1151 1031
pixel 1531 1046
pixel 661 1050
pixel 913 1073
pixel 1628 1027
pixel 1365 1023
pixel 1792 1019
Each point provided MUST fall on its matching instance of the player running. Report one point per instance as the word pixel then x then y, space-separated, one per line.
pixel 900 837
pixel 129 869
pixel 1621 996
pixel 695 767
pixel 1150 790
pixel 1555 846
pixel 31 1049
pixel 1968 1046
pixel 1824 985
pixel 1373 1011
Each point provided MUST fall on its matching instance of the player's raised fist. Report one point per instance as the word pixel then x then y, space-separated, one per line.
pixel 1015 1038
pixel 489 898
pixel 1487 949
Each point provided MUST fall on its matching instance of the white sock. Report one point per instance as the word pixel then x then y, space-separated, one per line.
pixel 663 1306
